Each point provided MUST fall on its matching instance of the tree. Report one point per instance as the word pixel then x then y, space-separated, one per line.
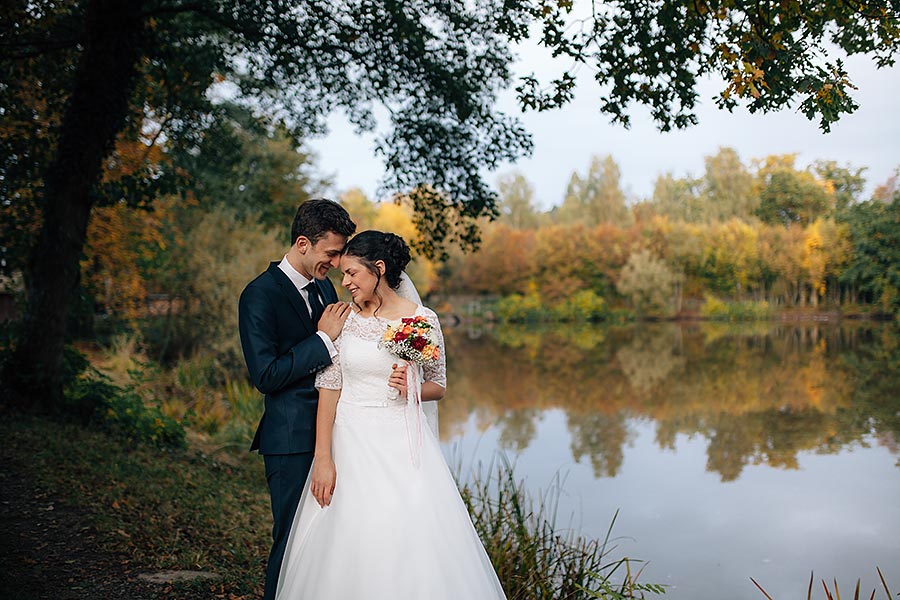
pixel 97 69
pixel 768 53
pixel 596 198
pixel 363 210
pixel 890 189
pixel 788 195
pixel 649 283
pixel 504 264
pixel 139 64
pixel 517 201
pixel 221 252
pixel 676 198
pixel 732 259
pixel 729 189
pixel 874 268
pixel 121 240
pixel 250 165
pixel 844 183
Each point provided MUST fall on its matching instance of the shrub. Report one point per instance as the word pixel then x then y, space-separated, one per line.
pixel 584 305
pixel 92 397
pixel 747 310
pixel 521 309
pixel 649 284
pixel 221 253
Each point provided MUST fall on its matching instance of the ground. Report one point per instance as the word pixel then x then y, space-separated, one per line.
pixel 48 549
pixel 84 514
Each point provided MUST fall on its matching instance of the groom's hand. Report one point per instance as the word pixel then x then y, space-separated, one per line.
pixel 322 480
pixel 332 320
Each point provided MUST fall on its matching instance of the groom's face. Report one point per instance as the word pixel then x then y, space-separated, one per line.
pixel 317 258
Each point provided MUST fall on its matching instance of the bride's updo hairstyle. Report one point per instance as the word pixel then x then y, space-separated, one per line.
pixel 371 246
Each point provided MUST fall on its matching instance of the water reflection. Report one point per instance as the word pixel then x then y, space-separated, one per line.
pixel 759 393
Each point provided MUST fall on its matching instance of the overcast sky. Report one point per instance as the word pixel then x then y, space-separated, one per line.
pixel 565 139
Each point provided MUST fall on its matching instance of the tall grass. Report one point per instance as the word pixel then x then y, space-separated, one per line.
pixel 199 391
pixel 835 593
pixel 535 559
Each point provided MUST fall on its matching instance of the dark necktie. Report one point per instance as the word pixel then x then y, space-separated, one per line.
pixel 315 305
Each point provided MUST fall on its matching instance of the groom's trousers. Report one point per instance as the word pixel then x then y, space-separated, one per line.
pixel 286 475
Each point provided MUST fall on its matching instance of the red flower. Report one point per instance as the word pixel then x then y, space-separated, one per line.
pixel 419 343
pixel 399 336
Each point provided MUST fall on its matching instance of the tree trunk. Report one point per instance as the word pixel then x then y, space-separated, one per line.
pixel 94 115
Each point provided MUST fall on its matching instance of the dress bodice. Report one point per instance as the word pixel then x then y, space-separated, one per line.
pixel 361 369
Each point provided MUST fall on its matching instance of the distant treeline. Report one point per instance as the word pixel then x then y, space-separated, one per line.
pixel 770 233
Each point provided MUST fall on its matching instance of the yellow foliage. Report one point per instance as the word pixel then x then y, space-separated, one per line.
pixel 395 218
pixel 119 238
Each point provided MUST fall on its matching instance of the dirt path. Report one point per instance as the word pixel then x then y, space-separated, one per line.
pixel 47 550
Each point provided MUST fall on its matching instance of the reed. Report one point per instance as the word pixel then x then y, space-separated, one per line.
pixel 835 592
pixel 535 558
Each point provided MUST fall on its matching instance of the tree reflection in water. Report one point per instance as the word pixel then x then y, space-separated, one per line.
pixel 759 393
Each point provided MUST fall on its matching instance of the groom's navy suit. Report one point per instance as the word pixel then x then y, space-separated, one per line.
pixel 283 354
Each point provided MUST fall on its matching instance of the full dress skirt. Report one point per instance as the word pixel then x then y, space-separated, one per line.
pixel 396 527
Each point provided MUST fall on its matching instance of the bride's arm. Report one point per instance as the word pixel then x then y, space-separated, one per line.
pixel 432 391
pixel 324 475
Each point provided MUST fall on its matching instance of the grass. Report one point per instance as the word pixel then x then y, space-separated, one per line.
pixel 163 509
pixel 835 592
pixel 203 508
pixel 534 557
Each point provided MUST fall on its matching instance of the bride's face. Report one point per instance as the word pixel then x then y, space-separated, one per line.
pixel 359 279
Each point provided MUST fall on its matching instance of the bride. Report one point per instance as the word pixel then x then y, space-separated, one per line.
pixel 381 517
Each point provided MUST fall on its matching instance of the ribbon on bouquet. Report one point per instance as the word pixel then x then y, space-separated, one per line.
pixel 413 411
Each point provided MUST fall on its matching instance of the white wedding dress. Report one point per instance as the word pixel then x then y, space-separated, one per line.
pixel 394 530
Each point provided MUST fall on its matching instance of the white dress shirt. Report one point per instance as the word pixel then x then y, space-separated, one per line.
pixel 300 282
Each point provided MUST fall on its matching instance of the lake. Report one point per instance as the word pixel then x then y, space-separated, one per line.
pixel 762 450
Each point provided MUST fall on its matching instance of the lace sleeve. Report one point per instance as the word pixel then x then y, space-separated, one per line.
pixel 329 378
pixel 436 371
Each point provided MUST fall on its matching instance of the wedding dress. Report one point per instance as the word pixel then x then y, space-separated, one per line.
pixel 393 530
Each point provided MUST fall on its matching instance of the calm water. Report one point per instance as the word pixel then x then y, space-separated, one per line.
pixel 730 451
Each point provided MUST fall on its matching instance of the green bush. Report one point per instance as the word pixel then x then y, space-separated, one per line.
pixel 521 309
pixel 747 310
pixel 620 316
pixel 93 397
pixel 649 283
pixel 585 305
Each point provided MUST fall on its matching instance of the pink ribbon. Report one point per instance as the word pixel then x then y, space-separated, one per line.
pixel 413 412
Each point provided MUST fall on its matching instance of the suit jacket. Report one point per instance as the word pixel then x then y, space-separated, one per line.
pixel 283 354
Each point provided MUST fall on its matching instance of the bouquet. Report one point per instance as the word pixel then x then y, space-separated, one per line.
pixel 413 340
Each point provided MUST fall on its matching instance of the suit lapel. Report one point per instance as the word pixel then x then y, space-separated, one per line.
pixel 293 296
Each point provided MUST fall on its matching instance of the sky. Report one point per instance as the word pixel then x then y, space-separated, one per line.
pixel 567 138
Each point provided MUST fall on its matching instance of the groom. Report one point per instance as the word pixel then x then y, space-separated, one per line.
pixel 288 318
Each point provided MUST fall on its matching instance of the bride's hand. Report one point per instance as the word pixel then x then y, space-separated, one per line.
pixel 398 379
pixel 322 481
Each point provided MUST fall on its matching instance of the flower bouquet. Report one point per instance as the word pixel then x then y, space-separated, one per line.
pixel 412 340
